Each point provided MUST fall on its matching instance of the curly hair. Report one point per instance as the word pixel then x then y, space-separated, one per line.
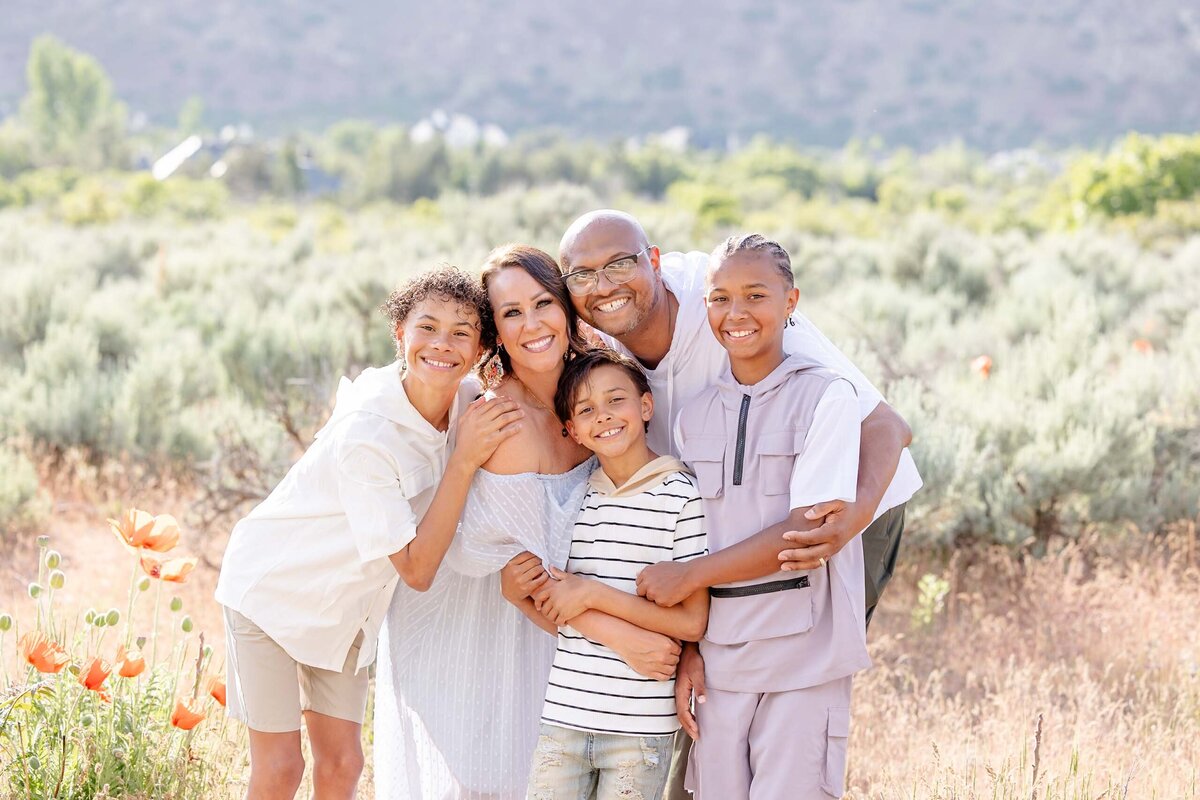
pixel 448 284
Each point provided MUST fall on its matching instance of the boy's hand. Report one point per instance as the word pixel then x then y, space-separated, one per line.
pixel 689 682
pixel 483 426
pixel 521 576
pixel 649 654
pixel 665 583
pixel 564 597
pixel 841 524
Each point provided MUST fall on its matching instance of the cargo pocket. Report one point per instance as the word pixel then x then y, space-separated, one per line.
pixel 733 620
pixel 777 451
pixel 706 457
pixel 833 781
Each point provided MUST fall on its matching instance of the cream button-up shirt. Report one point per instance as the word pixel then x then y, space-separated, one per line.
pixel 309 565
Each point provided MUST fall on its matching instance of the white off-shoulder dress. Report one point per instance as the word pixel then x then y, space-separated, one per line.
pixel 462 673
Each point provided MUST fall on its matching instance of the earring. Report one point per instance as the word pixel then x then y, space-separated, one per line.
pixel 493 371
pixel 791 322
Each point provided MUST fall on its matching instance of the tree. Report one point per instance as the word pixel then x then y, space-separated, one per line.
pixel 70 109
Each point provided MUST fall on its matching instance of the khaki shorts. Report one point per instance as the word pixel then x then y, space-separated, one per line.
pixel 267 689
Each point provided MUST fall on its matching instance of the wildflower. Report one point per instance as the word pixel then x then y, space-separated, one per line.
pixel 186 714
pixel 216 689
pixel 94 673
pixel 1143 346
pixel 138 530
pixel 105 695
pixel 174 570
pixel 6 622
pixel 130 663
pixel 42 652
pixel 982 366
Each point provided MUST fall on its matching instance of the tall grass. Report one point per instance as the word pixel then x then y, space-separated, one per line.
pixel 112 703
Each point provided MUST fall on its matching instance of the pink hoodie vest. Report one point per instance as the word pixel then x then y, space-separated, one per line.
pixel 742 443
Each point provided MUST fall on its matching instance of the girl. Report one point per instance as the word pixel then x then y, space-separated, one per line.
pixel 308 574
pixel 775 436
pixel 462 673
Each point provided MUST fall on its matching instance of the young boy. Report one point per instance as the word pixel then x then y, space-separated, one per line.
pixel 774 436
pixel 606 731
pixel 309 573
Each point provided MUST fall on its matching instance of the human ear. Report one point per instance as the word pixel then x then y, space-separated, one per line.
pixel 647 406
pixel 793 297
pixel 570 426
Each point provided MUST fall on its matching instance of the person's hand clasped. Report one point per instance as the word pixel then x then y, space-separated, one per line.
pixel 484 426
pixel 649 654
pixel 563 597
pixel 665 583
pixel 521 576
pixel 815 547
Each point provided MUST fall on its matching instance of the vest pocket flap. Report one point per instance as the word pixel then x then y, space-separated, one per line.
pixel 734 620
pixel 781 443
pixel 416 480
pixel 706 457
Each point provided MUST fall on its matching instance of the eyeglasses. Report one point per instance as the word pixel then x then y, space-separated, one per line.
pixel 620 270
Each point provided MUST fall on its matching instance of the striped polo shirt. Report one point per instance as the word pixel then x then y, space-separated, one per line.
pixel 615 537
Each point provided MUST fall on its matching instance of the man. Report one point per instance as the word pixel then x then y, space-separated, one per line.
pixel 652 307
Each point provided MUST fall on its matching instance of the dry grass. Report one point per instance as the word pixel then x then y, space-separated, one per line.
pixel 1099 639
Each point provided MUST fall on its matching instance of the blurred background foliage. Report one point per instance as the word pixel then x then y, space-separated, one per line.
pixel 1035 314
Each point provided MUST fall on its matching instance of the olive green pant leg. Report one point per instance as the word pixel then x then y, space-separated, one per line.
pixel 881 545
pixel 679 760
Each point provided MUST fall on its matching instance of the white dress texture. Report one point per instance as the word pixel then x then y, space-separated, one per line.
pixel 461 672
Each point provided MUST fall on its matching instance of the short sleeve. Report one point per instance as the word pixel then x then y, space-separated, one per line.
pixel 805 339
pixel 691 537
pixel 371 488
pixel 827 469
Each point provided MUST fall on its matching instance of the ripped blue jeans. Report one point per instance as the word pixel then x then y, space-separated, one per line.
pixel 580 765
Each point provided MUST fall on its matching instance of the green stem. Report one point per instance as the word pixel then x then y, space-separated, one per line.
pixel 133 592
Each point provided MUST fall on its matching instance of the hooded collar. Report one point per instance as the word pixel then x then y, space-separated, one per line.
pixel 645 479
pixel 379 391
pixel 732 392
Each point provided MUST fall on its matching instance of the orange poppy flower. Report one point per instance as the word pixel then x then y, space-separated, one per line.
pixel 173 570
pixel 104 695
pixel 186 716
pixel 94 673
pixel 1143 346
pixel 216 689
pixel 130 663
pixel 982 366
pixel 138 530
pixel 45 654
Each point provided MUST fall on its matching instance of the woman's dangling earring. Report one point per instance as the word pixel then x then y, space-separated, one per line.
pixel 493 371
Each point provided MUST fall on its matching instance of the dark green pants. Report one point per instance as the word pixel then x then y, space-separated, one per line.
pixel 881 544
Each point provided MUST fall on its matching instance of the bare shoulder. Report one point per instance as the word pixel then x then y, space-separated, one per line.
pixel 516 454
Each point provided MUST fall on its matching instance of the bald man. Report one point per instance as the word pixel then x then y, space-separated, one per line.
pixel 652 307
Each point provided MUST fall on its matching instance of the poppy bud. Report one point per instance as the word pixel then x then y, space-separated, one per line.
pixel 35 590
pixel 6 622
pixel 43 541
pixel 186 625
pixel 57 579
pixel 53 559
pixel 112 617
pixel 143 584
pixel 176 603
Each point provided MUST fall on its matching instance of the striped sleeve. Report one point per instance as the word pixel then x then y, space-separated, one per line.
pixel 691 536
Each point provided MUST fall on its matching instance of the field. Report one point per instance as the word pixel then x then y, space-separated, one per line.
pixel 172 347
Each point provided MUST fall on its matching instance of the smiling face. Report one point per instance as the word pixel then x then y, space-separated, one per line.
pixel 748 305
pixel 530 322
pixel 616 309
pixel 440 342
pixel 609 414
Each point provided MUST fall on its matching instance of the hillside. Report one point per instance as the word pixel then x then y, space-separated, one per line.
pixel 996 74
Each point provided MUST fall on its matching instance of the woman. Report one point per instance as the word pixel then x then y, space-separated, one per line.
pixel 462 673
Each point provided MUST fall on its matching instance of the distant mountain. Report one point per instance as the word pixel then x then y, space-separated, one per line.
pixel 915 72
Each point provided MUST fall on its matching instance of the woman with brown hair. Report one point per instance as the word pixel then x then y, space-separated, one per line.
pixel 462 673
